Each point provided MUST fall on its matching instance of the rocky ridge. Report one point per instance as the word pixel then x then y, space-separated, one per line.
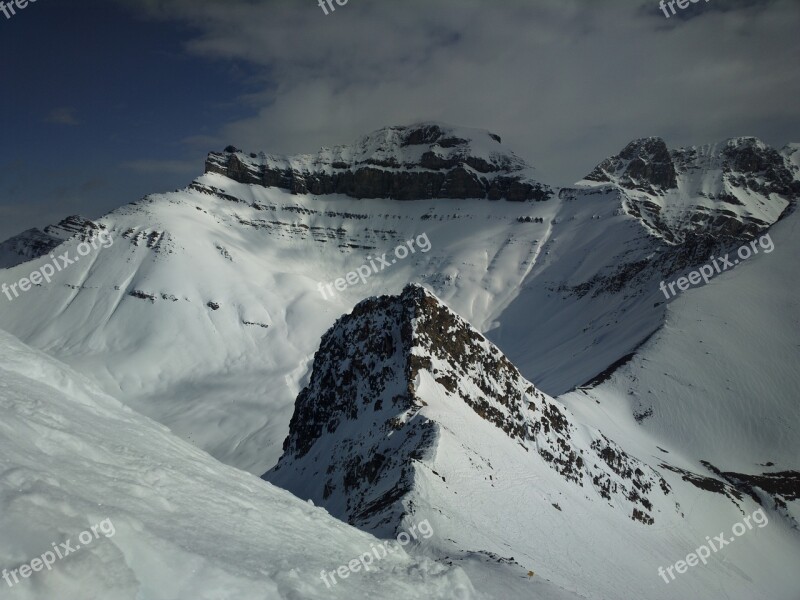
pixel 731 190
pixel 361 425
pixel 34 243
pixel 422 161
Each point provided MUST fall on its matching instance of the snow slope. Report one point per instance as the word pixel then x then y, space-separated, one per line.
pixel 184 525
pixel 720 379
pixel 136 315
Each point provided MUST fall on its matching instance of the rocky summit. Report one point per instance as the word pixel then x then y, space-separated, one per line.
pixel 422 161
pixel 363 421
pixel 726 191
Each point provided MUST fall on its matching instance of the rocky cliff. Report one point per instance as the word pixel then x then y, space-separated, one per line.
pixel 423 161
pixel 366 417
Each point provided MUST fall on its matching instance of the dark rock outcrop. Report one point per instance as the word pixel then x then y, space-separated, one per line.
pixel 360 425
pixel 404 163
pixel 34 243
pixel 644 164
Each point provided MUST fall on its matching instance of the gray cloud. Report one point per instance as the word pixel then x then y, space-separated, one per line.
pixel 565 82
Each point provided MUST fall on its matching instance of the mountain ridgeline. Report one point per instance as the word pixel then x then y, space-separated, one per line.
pixel 362 422
pixel 402 163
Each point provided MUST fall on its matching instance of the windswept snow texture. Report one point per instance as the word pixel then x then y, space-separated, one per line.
pixel 185 526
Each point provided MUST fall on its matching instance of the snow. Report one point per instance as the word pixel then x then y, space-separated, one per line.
pixel 721 387
pixel 231 387
pixel 513 515
pixel 186 526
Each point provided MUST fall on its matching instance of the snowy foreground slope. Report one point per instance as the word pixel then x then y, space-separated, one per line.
pixel 411 414
pixel 184 526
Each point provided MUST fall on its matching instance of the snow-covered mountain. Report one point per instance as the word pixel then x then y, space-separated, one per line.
pixel 588 264
pixel 206 311
pixel 207 315
pixel 360 423
pixel 729 190
pixel 411 414
pixel 644 216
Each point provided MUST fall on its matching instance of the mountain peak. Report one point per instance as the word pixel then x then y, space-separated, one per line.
pixel 398 373
pixel 643 164
pixel 729 190
pixel 411 162
pixel 436 133
pixel 34 243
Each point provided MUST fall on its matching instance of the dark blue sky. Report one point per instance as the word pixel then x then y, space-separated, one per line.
pixel 100 107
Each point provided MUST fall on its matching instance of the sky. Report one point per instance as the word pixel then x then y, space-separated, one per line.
pixel 107 101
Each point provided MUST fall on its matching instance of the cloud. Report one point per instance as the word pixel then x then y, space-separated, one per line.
pixel 62 116
pixel 564 82
pixel 171 167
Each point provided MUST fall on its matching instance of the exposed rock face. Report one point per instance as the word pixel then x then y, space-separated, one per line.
pixel 643 164
pixel 71 226
pixel 33 243
pixel 28 245
pixel 422 161
pixel 361 424
pixel 648 165
pixel 746 163
pixel 729 191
